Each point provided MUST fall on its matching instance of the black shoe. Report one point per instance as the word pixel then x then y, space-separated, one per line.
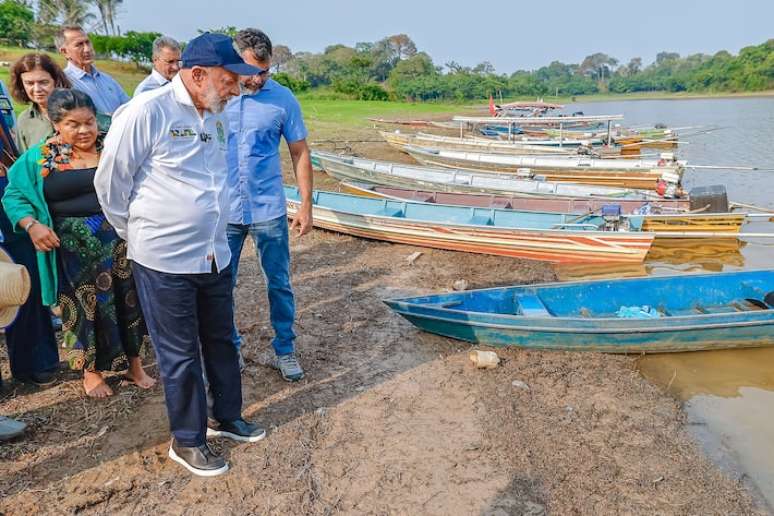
pixel 42 379
pixel 199 460
pixel 238 430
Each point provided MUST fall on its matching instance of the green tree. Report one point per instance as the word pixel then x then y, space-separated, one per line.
pixel 65 12
pixel 16 22
pixel 228 30
pixel 108 10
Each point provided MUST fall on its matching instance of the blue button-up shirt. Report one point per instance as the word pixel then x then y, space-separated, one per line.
pixel 106 93
pixel 256 123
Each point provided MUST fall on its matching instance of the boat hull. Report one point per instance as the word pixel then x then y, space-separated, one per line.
pixel 695 312
pixel 595 173
pixel 556 246
pixel 464 181
pixel 401 142
pixel 665 341
pixel 718 223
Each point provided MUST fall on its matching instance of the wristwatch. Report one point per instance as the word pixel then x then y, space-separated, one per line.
pixel 28 225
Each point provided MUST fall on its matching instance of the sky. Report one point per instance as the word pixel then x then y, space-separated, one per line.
pixel 511 35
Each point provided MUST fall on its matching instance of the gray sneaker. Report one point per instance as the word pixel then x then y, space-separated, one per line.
pixel 10 428
pixel 289 367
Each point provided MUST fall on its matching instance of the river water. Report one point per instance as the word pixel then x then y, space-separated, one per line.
pixel 728 395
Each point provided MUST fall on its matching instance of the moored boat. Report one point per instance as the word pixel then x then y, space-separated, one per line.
pixel 417 177
pixel 574 205
pixel 557 238
pixel 624 173
pixel 632 315
pixel 661 218
pixel 402 141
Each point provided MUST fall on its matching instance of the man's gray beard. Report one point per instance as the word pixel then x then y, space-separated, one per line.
pixel 212 100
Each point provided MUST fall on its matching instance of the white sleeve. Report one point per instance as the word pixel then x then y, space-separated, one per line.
pixel 127 145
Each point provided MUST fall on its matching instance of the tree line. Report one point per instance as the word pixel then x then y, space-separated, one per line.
pixel 392 68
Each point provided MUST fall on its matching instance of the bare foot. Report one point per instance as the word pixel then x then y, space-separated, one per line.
pixel 95 385
pixel 137 375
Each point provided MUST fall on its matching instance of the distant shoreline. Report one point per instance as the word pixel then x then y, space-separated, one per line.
pixel 667 96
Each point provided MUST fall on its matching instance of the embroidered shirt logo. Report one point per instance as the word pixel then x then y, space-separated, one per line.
pixel 182 132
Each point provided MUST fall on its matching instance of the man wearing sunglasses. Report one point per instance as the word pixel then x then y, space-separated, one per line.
pixel 264 113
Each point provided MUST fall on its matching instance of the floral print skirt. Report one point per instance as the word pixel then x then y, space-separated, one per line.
pixel 102 323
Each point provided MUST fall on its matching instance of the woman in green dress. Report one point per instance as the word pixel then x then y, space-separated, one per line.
pixel 81 261
pixel 33 78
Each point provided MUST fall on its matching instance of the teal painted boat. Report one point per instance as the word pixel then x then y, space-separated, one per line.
pixel 553 237
pixel 633 315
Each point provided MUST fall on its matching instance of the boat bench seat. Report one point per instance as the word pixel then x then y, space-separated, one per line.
pixel 481 220
pixel 531 306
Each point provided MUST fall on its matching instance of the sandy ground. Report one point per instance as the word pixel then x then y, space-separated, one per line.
pixel 387 421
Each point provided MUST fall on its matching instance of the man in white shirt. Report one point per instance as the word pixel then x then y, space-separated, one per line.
pixel 166 64
pixel 162 185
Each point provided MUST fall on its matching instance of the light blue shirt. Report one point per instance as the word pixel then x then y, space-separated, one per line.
pixel 256 123
pixel 151 82
pixel 106 93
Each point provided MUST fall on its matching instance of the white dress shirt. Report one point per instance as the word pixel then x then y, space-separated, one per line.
pixel 161 182
pixel 151 82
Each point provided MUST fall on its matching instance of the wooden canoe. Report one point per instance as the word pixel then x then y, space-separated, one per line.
pixel 402 141
pixel 534 236
pixel 623 173
pixel 632 315
pixel 416 177
pixel 569 205
pixel 661 218
pixel 477 144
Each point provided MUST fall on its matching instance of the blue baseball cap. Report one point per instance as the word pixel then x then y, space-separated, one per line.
pixel 216 50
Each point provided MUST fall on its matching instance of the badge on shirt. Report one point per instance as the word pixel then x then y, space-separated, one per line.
pixel 182 132
pixel 221 132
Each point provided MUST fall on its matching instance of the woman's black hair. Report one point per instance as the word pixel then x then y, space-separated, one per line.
pixel 61 101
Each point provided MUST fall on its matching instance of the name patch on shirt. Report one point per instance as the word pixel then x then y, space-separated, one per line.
pixel 182 132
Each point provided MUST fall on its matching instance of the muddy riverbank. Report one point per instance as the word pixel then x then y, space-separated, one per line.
pixel 388 420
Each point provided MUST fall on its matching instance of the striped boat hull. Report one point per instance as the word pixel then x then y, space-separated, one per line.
pixel 557 246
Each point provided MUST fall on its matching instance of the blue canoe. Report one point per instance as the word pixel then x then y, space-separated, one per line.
pixel 635 315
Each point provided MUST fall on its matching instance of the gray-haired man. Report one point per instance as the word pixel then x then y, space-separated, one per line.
pixel 166 64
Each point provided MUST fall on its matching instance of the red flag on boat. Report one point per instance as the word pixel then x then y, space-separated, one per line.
pixel 492 110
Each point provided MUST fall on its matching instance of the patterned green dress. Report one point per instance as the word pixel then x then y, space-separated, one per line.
pixel 102 322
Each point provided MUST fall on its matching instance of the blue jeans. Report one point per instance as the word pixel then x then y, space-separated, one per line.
pixel 273 250
pixel 189 318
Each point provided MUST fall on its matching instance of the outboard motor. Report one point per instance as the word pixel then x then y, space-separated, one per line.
pixel 611 213
pixel 709 199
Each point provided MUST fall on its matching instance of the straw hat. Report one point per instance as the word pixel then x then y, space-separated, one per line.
pixel 14 288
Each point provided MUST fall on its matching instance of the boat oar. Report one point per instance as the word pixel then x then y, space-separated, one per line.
pixel 731 167
pixel 735 204
pixel 645 142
